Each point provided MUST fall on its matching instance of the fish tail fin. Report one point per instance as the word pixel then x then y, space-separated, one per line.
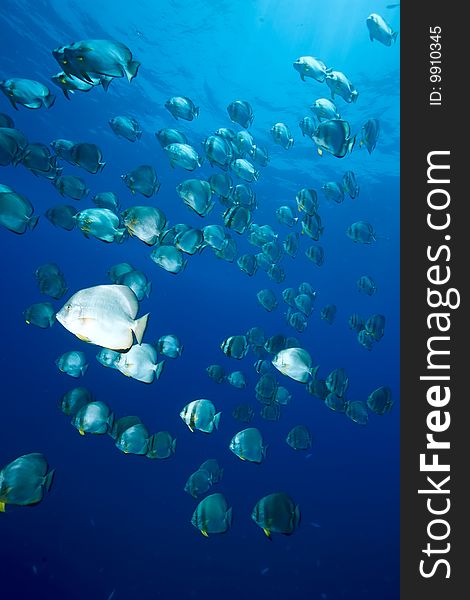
pixel 112 431
pixel 83 369
pixel 229 517
pixel 139 328
pixel 296 516
pixel 159 368
pixel 33 221
pixel 302 77
pixel 120 235
pixel 110 422
pixel 151 447
pixel 148 289
pixel 196 111
pixel 351 143
pixel 138 134
pixel 394 36
pixel 313 371
pixel 48 479
pixel 173 446
pixel 131 69
pixel 105 81
pixel 66 93
pixel 256 175
pixel 217 420
pixel 49 100
pixel 291 143
pixel 264 449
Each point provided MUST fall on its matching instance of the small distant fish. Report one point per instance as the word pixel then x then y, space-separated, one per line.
pixel 126 127
pixel 282 135
pixel 240 112
pixel 341 85
pixel 264 571
pixel 380 30
pixel 197 195
pixel 182 107
pixel 361 232
pixel 370 133
pixel 111 595
pixel 325 109
pixel 309 66
pixel 143 179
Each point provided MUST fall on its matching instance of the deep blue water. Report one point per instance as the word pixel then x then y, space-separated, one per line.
pixel 122 522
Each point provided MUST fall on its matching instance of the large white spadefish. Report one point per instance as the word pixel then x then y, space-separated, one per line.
pixel 296 363
pixel 104 315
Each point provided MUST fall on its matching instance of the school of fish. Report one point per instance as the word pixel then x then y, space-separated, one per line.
pixel 109 315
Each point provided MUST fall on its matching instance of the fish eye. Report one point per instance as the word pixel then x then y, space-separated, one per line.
pixel 68 307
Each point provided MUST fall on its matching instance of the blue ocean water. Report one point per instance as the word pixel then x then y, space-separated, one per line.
pixel 119 525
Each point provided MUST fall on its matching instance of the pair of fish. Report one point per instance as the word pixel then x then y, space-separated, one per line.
pixel 86 59
pixel 275 513
pixel 51 280
pixel 200 482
